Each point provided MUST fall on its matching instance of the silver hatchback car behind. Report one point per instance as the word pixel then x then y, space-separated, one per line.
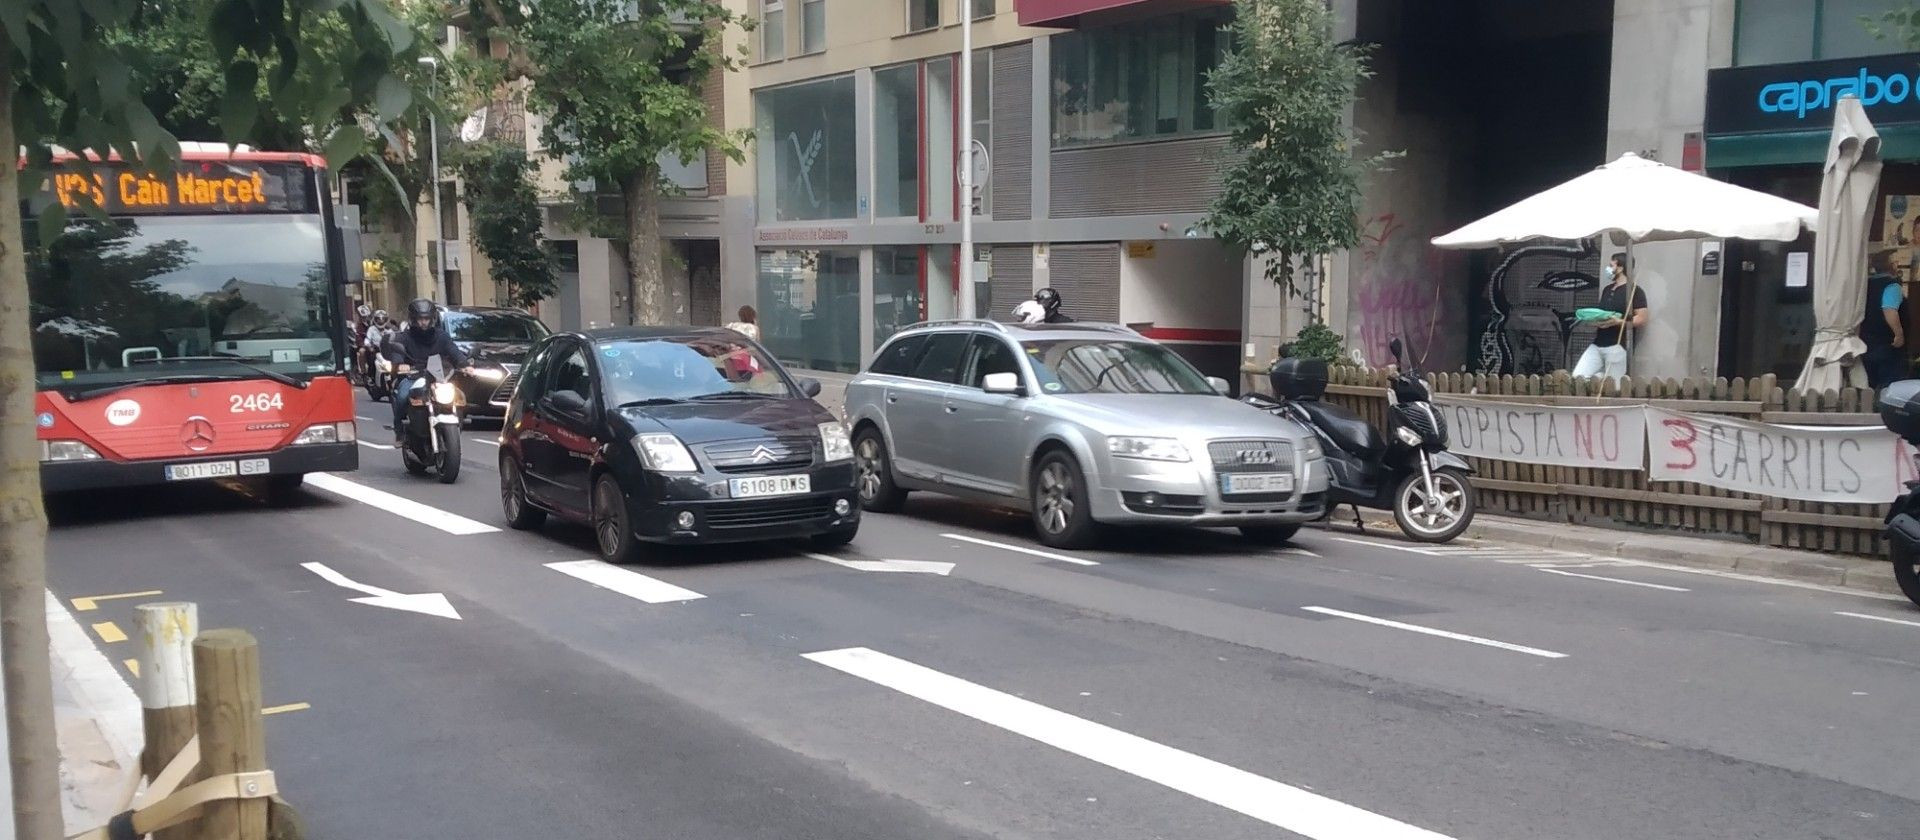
pixel 1083 424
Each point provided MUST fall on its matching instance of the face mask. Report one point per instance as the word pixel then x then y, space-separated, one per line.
pixel 1609 272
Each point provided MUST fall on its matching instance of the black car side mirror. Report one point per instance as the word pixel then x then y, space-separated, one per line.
pixel 810 386
pixel 566 402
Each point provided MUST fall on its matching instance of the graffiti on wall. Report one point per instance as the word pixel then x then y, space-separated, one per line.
pixel 1399 289
pixel 1526 319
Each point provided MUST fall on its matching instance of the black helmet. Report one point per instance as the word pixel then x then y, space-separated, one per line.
pixel 422 309
pixel 1048 298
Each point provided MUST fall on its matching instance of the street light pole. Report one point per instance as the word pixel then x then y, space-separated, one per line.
pixel 966 161
pixel 433 139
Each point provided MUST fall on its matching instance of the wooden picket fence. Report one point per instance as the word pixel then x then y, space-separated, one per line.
pixel 1625 498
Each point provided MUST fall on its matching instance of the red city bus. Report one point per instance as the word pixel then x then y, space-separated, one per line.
pixel 195 333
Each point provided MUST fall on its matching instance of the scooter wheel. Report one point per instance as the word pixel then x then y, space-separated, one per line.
pixel 1906 570
pixel 1442 518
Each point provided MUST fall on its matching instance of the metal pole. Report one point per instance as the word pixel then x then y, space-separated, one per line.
pixel 966 161
pixel 439 222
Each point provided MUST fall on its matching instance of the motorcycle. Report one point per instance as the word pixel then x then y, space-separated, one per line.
pixel 380 382
pixel 432 439
pixel 1899 407
pixel 1408 470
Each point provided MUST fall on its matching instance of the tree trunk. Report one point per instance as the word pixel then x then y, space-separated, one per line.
pixel 648 285
pixel 23 533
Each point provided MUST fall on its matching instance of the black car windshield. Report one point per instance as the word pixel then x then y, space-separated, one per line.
pixel 1102 366
pixel 688 368
pixel 114 298
pixel 494 326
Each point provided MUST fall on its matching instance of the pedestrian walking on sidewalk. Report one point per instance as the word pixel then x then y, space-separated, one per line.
pixel 1884 327
pixel 749 323
pixel 1607 356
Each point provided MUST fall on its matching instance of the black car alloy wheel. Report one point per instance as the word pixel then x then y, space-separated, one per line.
pixel 612 533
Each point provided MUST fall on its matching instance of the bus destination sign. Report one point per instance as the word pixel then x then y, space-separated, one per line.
pixel 192 187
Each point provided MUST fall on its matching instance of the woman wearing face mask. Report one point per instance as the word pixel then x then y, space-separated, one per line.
pixel 1607 356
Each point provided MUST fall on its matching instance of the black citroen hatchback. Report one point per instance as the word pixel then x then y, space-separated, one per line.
pixel 673 435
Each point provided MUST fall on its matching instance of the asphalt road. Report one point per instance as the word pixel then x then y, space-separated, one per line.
pixel 1176 685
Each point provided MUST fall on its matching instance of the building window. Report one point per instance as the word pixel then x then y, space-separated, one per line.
pixel 1136 81
pixel 922 14
pixel 896 142
pixel 805 154
pixel 1782 31
pixel 813 26
pixel 773 29
pixel 982 8
pixel 809 302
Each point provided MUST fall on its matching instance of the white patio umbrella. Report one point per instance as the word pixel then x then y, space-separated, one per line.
pixel 1643 201
pixel 1840 253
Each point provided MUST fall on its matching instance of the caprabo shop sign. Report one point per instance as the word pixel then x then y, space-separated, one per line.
pixel 1801 96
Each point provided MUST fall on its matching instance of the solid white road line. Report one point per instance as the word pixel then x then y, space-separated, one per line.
pixel 1878 618
pixel 1615 580
pixel 1293 809
pixel 487 441
pixel 1022 549
pixel 1444 634
pixel 372 445
pixel 631 584
pixel 432 517
pixel 925 567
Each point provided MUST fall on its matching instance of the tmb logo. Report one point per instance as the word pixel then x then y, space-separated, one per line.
pixel 1798 98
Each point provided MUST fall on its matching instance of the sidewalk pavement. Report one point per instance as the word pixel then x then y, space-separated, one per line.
pixel 97 717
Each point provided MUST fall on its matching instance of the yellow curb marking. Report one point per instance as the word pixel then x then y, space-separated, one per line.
pixel 290 707
pixel 133 666
pixel 109 632
pixel 92 603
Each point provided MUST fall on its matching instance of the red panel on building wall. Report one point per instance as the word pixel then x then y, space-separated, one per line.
pixel 1067 12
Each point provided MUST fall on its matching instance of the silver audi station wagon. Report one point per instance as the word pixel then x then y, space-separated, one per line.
pixel 1085 425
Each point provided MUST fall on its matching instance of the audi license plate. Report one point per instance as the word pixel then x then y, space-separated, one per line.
pixel 771 485
pixel 1233 484
pixel 209 469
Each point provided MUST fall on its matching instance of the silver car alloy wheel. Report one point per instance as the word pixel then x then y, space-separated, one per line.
pixel 1056 497
pixel 869 467
pixel 1438 513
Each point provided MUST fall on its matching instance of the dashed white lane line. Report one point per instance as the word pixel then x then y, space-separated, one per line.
pixel 1285 806
pixel 1660 586
pixel 1023 550
pixel 1432 631
pixel 629 583
pixel 487 441
pixel 427 515
pixel 371 445
pixel 1878 618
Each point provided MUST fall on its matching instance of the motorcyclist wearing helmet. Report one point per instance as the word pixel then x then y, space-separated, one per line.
pixel 1050 301
pixel 374 342
pixel 415 345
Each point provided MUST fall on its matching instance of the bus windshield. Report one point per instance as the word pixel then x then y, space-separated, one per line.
pixel 133 298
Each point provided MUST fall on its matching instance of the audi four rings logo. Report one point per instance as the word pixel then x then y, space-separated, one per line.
pixel 197 434
pixel 763 455
pixel 1254 456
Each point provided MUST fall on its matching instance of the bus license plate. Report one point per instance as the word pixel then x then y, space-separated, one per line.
pixel 1237 483
pixel 210 469
pixel 772 485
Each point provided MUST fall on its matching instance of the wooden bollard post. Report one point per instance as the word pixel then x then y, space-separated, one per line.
pixel 166 633
pixel 226 672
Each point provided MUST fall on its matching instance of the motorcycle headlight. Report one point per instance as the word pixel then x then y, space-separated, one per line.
pixel 66 450
pixel 1406 435
pixel 444 393
pixel 1147 448
pixel 664 453
pixel 835 445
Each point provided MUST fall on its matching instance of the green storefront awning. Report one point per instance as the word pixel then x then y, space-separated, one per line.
pixel 1897 142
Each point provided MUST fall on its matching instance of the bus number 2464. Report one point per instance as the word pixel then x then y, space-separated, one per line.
pixel 254 402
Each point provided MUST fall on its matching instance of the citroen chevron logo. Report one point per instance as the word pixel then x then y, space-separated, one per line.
pixel 763 455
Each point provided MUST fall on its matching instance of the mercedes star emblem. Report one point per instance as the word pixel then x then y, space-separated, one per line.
pixel 197 434
pixel 763 455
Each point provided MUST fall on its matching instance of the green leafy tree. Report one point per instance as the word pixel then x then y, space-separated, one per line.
pixel 67 75
pixel 1285 87
pixel 505 214
pixel 620 89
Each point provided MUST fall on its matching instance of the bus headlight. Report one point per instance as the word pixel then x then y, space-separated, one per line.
pixel 341 432
pixel 66 450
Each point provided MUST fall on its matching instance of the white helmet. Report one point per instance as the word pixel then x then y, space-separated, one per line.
pixel 1030 312
pixel 365 311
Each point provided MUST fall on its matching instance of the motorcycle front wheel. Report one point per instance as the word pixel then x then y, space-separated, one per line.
pixel 1438 518
pixel 449 451
pixel 1906 570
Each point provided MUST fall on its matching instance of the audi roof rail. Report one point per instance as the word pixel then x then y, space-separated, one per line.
pixel 963 322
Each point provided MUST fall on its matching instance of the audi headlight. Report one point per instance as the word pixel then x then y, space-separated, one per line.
pixel 66 450
pixel 444 393
pixel 489 374
pixel 1147 448
pixel 1406 435
pixel 1310 448
pixel 835 445
pixel 664 453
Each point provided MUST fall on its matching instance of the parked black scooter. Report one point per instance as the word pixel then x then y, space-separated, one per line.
pixel 1408 471
pixel 1899 407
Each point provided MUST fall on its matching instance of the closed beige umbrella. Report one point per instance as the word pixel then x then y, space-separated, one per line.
pixel 1840 252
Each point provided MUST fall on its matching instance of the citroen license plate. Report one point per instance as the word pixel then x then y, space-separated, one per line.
pixel 207 469
pixel 1233 484
pixel 769 485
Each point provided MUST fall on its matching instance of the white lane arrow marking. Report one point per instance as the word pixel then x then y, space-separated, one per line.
pixel 427 603
pixel 925 567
